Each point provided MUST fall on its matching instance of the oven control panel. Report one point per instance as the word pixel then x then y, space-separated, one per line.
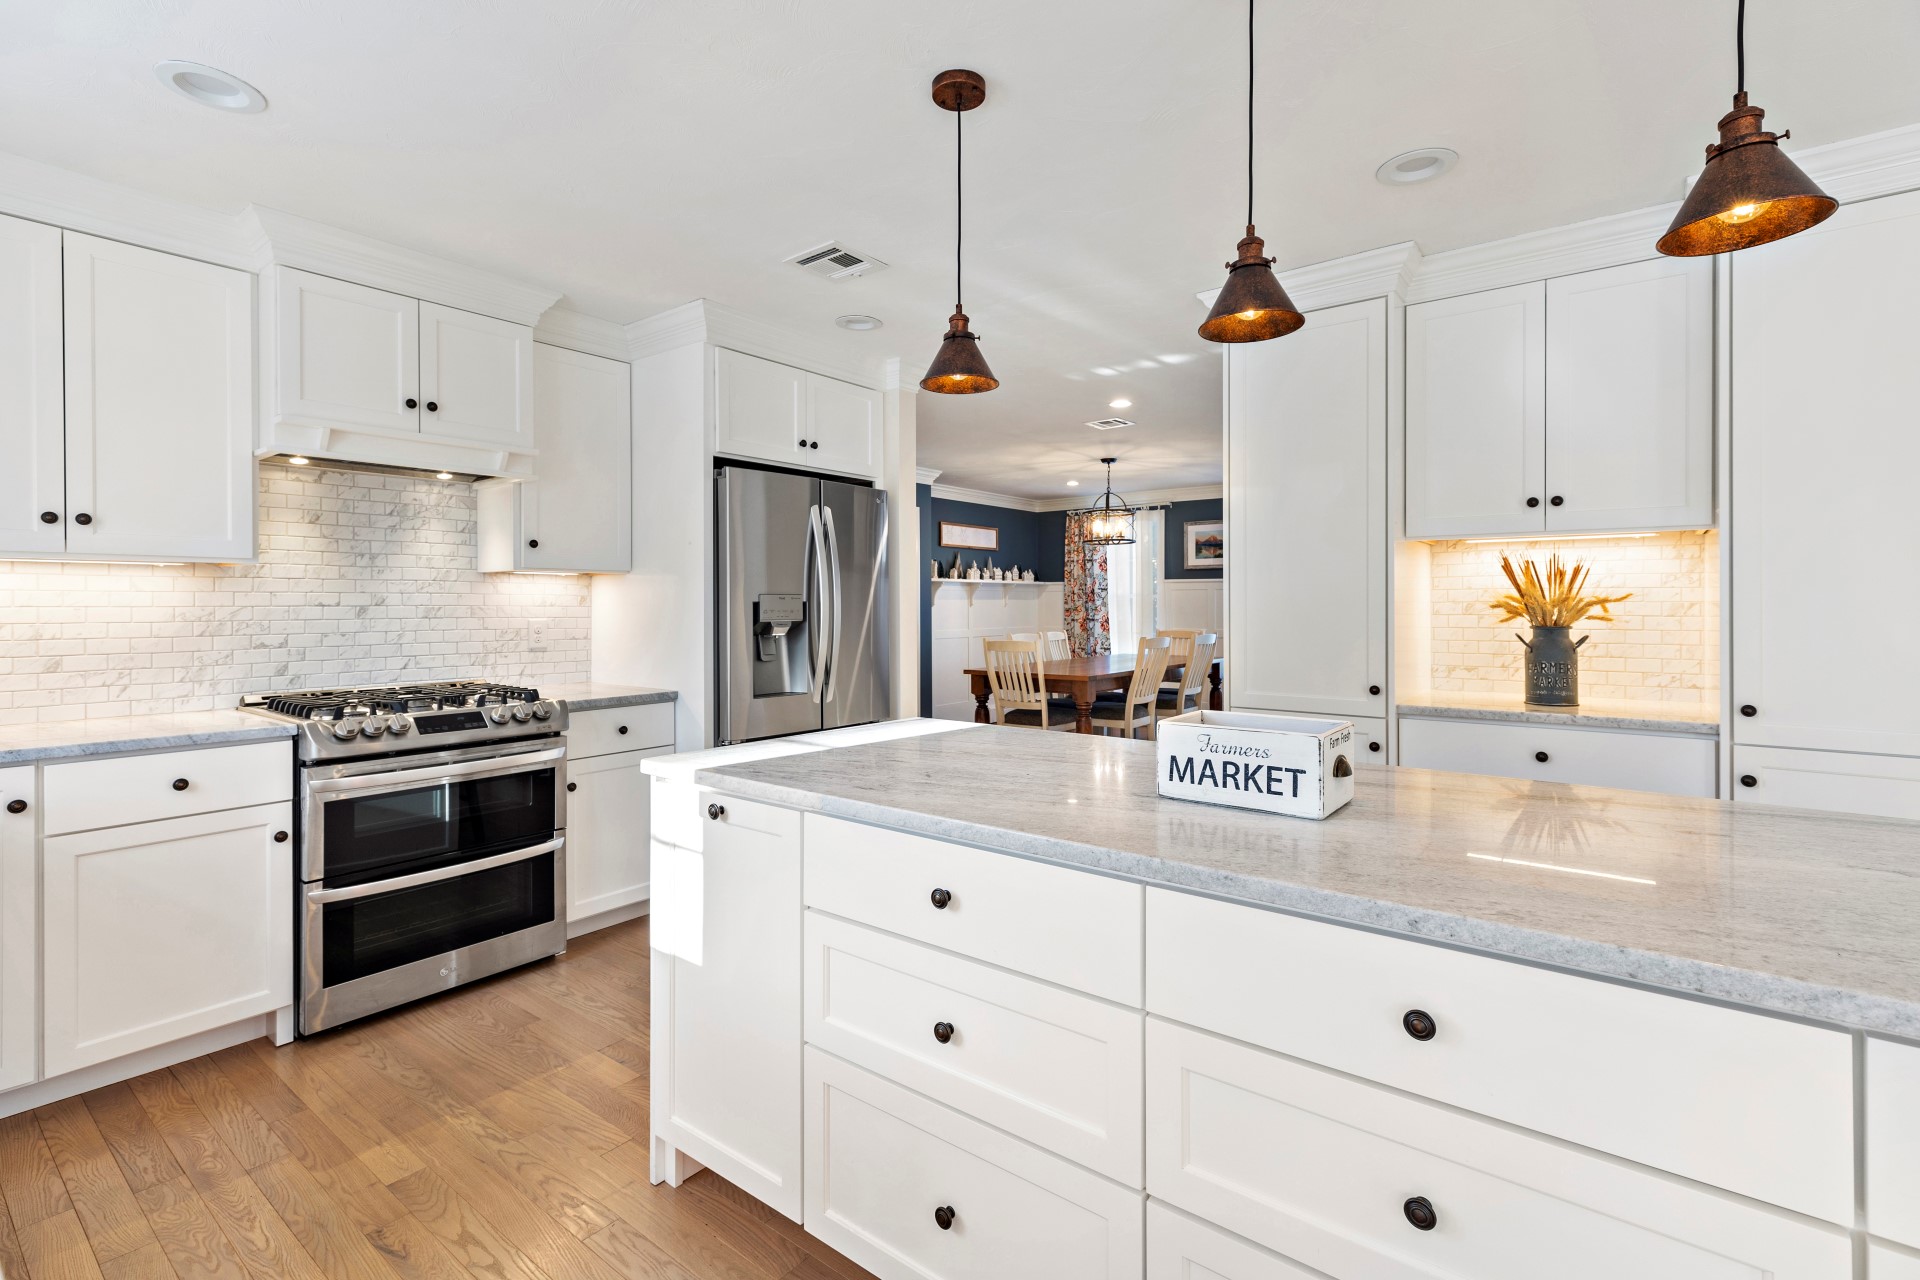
pixel 450 721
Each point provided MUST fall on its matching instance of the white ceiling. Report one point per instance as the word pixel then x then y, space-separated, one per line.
pixel 641 154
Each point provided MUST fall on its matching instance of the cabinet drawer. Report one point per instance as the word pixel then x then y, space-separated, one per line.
pixel 1833 780
pixel 1328 1171
pixel 122 789
pixel 1669 1082
pixel 881 1160
pixel 1370 742
pixel 1893 1142
pixel 608 729
pixel 1071 927
pixel 1184 1248
pixel 1059 1069
pixel 1664 762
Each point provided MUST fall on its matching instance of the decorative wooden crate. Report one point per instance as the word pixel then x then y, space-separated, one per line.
pixel 1280 764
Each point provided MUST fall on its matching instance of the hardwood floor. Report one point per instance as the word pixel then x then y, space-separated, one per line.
pixel 498 1132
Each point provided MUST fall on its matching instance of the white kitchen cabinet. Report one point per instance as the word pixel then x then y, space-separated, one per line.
pixel 1477 414
pixel 776 413
pixel 159 405
pixel 159 930
pixel 1886 1262
pixel 32 395
pixel 609 799
pixel 725 1061
pixel 1893 1141
pixel 1307 501
pixel 1673 764
pixel 600 730
pixel 1822 514
pixel 1837 780
pixel 908 1188
pixel 1180 1247
pixel 347 354
pixel 476 377
pixel 19 930
pixel 1630 397
pixel 1370 742
pixel 1359 1181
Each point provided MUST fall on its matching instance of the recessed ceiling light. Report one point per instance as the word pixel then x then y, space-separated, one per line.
pixel 1121 403
pixel 210 86
pixel 1073 484
pixel 859 324
pixel 1417 166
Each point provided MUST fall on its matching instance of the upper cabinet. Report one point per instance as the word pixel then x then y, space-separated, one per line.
pixel 780 414
pixel 370 376
pixel 577 516
pixel 1582 404
pixel 126 401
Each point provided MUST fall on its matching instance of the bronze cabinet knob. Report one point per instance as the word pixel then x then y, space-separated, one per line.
pixel 623 729
pixel 940 899
pixel 412 403
pixel 1557 500
pixel 280 837
pixel 533 542
pixel 574 786
pixel 1748 780
pixel 716 811
pixel 49 517
pixel 943 1032
pixel 1419 1211
pixel 179 784
pixel 433 406
pixel 1541 756
pixel 1533 502
pixel 1419 1024
pixel 943 1217
pixel 16 806
pixel 83 518
pixel 1749 710
pixel 1373 746
pixel 1374 689
pixel 803 444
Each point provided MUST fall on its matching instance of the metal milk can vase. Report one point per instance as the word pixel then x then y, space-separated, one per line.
pixel 1553 667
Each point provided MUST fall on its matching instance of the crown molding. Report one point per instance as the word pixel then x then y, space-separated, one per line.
pixel 926 475
pixel 45 193
pixel 1540 255
pixel 682 326
pixel 952 493
pixel 1879 164
pixel 1142 497
pixel 715 323
pixel 289 240
pixel 894 378
pixel 1388 271
pixel 576 332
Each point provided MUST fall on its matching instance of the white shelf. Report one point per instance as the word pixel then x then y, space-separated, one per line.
pixel 1000 582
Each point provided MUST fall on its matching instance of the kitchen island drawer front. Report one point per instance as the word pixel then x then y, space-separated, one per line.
pixel 1361 1182
pixel 1180 1247
pixel 605 730
pixel 1838 781
pixel 1059 1069
pixel 88 794
pixel 1070 927
pixel 908 1188
pixel 1893 1142
pixel 1665 1081
pixel 1668 763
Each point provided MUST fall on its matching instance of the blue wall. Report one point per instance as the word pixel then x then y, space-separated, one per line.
pixel 1174 555
pixel 1019 536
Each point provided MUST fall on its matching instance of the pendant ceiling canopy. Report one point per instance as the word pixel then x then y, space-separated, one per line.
pixel 958 368
pixel 1109 520
pixel 1252 305
pixel 1750 192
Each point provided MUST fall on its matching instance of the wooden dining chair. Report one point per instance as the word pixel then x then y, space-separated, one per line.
pixel 1061 704
pixel 1016 673
pixel 1184 696
pixel 1138 710
pixel 1056 646
pixel 1182 651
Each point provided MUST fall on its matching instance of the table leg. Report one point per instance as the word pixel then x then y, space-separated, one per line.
pixel 1215 700
pixel 1083 711
pixel 981 692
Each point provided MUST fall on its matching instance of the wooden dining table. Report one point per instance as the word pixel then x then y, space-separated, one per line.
pixel 1084 679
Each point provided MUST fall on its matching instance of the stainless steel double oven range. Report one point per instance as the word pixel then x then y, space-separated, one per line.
pixel 432 840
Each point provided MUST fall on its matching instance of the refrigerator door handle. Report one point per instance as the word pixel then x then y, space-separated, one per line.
pixel 839 614
pixel 817 622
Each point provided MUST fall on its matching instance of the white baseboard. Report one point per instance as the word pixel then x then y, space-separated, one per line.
pixel 101 1074
pixel 618 915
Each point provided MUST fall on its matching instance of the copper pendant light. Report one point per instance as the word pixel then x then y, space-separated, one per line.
pixel 1109 519
pixel 958 368
pixel 1252 306
pixel 1750 192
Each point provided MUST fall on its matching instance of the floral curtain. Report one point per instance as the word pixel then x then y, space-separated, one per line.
pixel 1089 628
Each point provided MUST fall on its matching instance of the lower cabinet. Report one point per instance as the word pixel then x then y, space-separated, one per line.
pixel 608 802
pixel 159 930
pixel 19 931
pixel 1893 1142
pixel 1350 1179
pixel 1884 1262
pixel 1835 780
pixel 1184 1248
pixel 1673 764
pixel 908 1188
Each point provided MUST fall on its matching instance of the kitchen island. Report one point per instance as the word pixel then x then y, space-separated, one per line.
pixel 1465 1026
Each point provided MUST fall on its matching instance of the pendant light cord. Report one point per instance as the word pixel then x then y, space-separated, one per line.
pixel 1250 111
pixel 960 199
pixel 1740 46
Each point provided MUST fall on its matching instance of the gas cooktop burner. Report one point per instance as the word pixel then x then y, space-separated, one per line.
pixel 410 717
pixel 338 704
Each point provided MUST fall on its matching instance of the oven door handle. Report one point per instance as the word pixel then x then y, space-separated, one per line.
pixel 402 779
pixel 436 875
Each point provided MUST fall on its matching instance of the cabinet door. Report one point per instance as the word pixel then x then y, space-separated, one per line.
pixel 161 930
pixel 843 425
pixel 1893 1157
pixel 1824 454
pixel 159 356
pixel 346 355
pixel 1307 504
pixel 1477 414
pixel 760 408
pixel 725 1067
pixel 1630 397
pixel 19 932
pixel 608 808
pixel 32 399
pixel 476 377
pixel 580 506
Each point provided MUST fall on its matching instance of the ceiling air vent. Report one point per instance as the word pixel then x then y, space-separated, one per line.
pixel 836 262
pixel 1110 424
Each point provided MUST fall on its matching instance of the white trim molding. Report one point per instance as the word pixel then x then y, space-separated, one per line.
pixel 589 334
pixel 45 193
pixel 926 475
pixel 1141 497
pixel 952 493
pixel 1376 273
pixel 714 323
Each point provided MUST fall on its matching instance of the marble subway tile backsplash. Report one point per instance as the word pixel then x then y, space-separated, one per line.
pixel 362 579
pixel 1664 645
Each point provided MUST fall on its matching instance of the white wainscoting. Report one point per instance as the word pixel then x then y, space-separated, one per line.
pixel 1197 603
pixel 965 613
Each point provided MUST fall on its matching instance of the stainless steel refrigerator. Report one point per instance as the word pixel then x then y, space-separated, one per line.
pixel 801 602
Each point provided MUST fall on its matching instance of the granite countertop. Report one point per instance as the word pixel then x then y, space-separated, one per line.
pixel 115 735
pixel 1787 911
pixel 1692 719
pixel 592 696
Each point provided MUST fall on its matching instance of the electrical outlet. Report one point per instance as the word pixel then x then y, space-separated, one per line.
pixel 536 637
